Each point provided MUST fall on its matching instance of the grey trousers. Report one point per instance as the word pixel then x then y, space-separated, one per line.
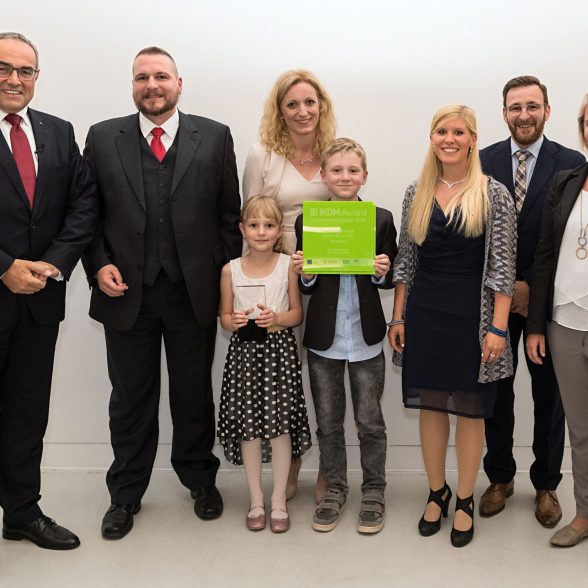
pixel 328 392
pixel 569 349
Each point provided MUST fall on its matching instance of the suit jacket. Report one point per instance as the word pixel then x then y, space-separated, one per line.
pixel 61 222
pixel 204 205
pixel 321 315
pixel 553 158
pixel 558 206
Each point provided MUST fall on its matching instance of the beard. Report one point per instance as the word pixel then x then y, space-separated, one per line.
pixel 167 106
pixel 525 137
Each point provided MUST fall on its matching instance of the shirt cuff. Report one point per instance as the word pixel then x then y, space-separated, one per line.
pixel 308 283
pixel 378 281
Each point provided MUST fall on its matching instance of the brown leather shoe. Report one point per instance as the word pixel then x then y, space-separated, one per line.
pixel 493 500
pixel 547 509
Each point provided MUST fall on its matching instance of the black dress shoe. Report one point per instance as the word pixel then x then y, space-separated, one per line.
pixel 118 520
pixel 44 532
pixel 208 503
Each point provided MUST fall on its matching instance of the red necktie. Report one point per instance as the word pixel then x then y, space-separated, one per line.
pixel 156 144
pixel 23 156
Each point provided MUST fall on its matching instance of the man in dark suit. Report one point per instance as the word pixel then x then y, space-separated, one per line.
pixel 169 195
pixel 47 217
pixel 526 164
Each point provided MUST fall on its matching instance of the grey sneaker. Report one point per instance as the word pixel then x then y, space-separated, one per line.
pixel 371 513
pixel 326 515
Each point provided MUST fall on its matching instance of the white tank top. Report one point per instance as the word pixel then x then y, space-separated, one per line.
pixel 247 292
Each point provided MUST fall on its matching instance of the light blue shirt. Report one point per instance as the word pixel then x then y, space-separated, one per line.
pixel 533 149
pixel 348 342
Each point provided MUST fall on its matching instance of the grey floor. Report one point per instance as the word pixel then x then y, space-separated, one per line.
pixel 170 546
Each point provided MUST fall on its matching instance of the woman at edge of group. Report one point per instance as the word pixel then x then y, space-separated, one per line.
pixel 297 124
pixel 558 307
pixel 454 277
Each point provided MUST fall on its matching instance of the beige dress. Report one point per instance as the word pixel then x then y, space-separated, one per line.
pixel 271 174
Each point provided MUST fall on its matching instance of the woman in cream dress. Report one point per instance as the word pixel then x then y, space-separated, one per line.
pixel 297 124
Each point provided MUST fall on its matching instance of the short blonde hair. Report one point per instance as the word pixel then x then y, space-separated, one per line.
pixel 344 145
pixel 267 207
pixel 581 121
pixel 470 204
pixel 273 133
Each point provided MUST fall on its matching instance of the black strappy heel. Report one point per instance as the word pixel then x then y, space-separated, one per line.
pixel 428 528
pixel 462 538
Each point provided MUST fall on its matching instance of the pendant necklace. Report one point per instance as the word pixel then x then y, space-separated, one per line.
pixel 581 251
pixel 304 162
pixel 451 184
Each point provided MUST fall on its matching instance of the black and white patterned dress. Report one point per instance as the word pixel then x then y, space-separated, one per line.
pixel 262 396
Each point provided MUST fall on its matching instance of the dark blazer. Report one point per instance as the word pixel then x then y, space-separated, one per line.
pixel 204 204
pixel 558 206
pixel 62 220
pixel 553 158
pixel 321 315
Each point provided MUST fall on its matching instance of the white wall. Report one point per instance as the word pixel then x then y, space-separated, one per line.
pixel 387 66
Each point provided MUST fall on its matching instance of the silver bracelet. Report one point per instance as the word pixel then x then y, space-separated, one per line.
pixel 392 323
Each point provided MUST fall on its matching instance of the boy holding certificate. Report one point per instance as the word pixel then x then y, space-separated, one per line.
pixel 345 325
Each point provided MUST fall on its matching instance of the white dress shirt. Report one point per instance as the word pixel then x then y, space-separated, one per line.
pixel 170 128
pixel 25 125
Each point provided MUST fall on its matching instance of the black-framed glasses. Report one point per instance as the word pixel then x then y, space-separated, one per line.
pixel 25 74
pixel 531 108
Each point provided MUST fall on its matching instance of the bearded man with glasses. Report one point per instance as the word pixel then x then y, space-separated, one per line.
pixel 526 164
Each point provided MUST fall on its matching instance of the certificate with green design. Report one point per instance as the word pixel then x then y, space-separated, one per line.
pixel 339 237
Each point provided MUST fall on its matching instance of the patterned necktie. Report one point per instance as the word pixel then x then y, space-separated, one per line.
pixel 520 183
pixel 23 156
pixel 156 145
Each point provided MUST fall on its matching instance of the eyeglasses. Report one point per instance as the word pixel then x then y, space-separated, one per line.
pixel 531 108
pixel 25 74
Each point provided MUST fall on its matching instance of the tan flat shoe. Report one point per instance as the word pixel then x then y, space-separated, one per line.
pixel 281 524
pixel 292 485
pixel 568 537
pixel 255 522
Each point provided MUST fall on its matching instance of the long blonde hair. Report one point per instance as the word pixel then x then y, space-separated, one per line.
pixel 469 206
pixel 273 133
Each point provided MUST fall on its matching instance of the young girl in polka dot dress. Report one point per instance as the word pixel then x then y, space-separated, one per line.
pixel 262 409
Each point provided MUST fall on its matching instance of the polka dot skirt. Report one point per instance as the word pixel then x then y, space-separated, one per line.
pixel 262 397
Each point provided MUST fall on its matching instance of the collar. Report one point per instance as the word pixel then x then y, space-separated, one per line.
pixel 533 148
pixel 24 114
pixel 331 200
pixel 170 126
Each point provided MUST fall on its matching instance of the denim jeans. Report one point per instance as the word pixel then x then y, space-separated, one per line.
pixel 328 392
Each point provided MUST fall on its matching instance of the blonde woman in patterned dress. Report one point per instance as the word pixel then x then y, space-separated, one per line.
pixel 454 277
